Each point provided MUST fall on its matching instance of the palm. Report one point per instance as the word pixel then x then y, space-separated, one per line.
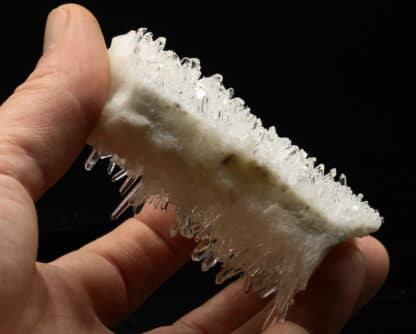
pixel 44 126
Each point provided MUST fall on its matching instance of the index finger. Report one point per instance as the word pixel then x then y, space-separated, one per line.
pixel 44 124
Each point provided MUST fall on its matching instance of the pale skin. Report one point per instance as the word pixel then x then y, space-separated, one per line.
pixel 44 126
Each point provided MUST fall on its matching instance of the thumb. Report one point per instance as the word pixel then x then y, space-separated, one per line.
pixel 43 127
pixel 46 121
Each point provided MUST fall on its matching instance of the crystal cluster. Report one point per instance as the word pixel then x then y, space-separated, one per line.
pixel 254 202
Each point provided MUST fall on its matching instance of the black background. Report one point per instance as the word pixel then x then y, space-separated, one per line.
pixel 333 78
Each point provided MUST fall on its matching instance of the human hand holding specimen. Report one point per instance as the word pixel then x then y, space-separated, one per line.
pixel 44 125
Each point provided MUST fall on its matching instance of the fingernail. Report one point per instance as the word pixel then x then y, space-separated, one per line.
pixel 55 27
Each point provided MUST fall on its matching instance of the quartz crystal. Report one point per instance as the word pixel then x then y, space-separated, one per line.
pixel 256 204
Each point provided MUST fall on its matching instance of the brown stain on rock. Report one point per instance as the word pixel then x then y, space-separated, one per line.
pixel 246 168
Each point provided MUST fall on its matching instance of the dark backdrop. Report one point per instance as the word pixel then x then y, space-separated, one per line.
pixel 332 78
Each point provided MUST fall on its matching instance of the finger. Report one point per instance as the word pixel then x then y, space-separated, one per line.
pixel 46 121
pixel 121 269
pixel 254 326
pixel 377 267
pixel 331 295
pixel 223 313
pixel 43 126
pixel 332 292
pixel 289 327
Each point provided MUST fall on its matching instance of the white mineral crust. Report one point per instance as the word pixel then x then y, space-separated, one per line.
pixel 255 202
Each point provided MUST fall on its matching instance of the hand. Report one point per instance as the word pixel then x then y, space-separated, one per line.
pixel 44 125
